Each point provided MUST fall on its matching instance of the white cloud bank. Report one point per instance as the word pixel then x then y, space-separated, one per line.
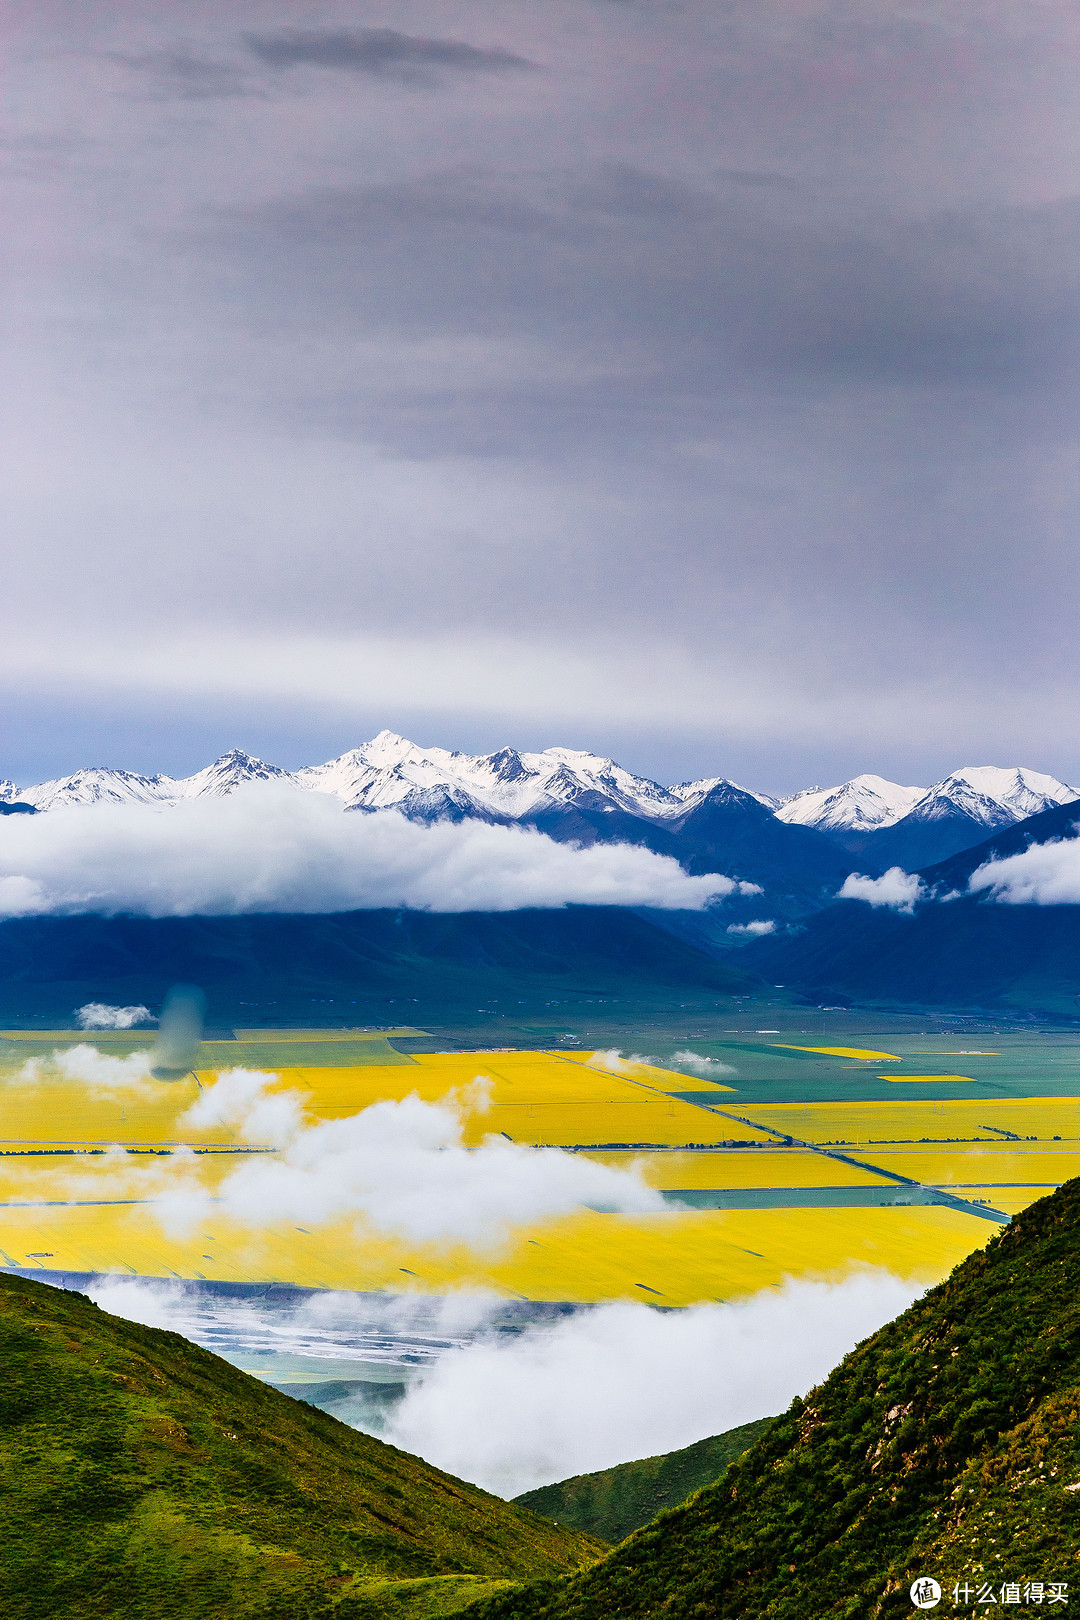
pixel 895 888
pixel 278 849
pixel 594 1389
pixel 102 1075
pixel 1042 875
pixel 399 1167
pixel 624 1381
pixel 99 1015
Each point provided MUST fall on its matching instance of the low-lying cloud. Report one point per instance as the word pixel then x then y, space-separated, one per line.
pixel 513 1410
pixel 896 889
pixel 697 1064
pixel 400 1167
pixel 623 1380
pixel 266 849
pixel 99 1015
pixel 1042 875
pixel 102 1075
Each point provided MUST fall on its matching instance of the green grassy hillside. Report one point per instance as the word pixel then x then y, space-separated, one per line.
pixel 616 1501
pixel 948 1445
pixel 145 1478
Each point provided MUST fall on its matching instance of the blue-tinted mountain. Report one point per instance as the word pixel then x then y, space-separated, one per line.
pixel 362 967
pixel 965 951
pixel 726 829
pixel 883 824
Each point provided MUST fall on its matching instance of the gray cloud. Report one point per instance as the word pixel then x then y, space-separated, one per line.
pixel 742 340
pixel 186 76
pixel 382 52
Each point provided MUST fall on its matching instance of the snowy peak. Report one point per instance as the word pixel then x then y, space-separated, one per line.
pixel 862 805
pixel 993 795
pixel 100 785
pixel 103 785
pixel 390 772
pixel 226 773
pixel 507 784
pixel 692 793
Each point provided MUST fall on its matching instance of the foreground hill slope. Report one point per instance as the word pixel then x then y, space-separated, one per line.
pixel 147 1478
pixel 614 1502
pixel 969 951
pixel 944 1445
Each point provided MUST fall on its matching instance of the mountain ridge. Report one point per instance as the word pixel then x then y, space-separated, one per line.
pixel 614 1502
pixel 514 785
pixel 798 853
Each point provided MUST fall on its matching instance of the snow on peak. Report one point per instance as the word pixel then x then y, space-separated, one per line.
pixel 99 785
pixel 863 804
pixel 691 793
pixel 228 772
pixel 994 795
pixel 509 784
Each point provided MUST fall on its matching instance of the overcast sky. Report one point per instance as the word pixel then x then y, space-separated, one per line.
pixel 689 380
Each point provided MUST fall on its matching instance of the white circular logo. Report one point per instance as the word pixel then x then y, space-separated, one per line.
pixel 925 1592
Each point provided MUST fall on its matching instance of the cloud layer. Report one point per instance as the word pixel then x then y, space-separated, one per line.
pixel 627 400
pixel 515 1410
pixel 265 849
pixel 398 1167
pixel 99 1015
pixel 1043 875
pixel 896 889
pixel 377 51
pixel 625 1381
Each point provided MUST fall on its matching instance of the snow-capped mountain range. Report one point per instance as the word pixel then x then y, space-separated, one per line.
pixel 992 795
pixel 427 783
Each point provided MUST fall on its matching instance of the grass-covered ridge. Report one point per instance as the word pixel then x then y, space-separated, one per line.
pixel 614 1502
pixel 146 1478
pixel 943 1445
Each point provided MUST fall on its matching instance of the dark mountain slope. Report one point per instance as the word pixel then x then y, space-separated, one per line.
pixel 966 952
pixel 615 1502
pixel 914 841
pixel 944 1445
pixel 361 961
pixel 729 831
pixel 146 1478
pixel 955 871
pixel 941 831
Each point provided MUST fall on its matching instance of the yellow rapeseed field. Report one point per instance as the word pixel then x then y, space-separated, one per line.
pixel 96 1211
pixel 911 1120
pixel 967 1163
pixel 743 1167
pixel 671 1259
